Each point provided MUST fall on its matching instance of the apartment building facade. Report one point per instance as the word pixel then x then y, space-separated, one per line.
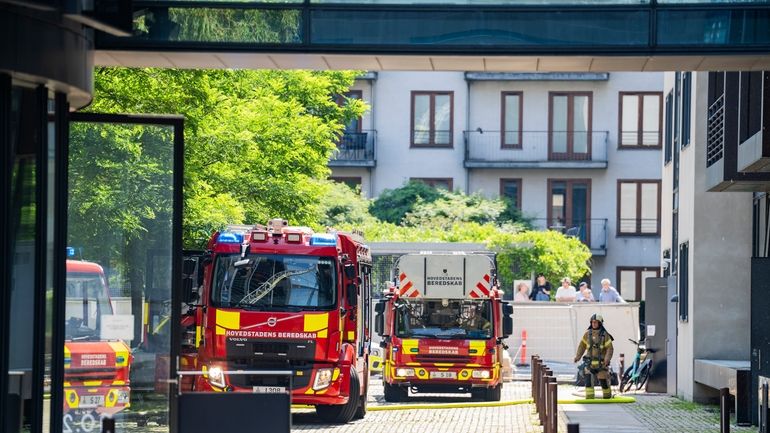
pixel 576 152
pixel 715 228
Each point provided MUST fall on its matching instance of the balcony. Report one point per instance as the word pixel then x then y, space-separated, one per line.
pixel 536 149
pixel 593 232
pixel 355 149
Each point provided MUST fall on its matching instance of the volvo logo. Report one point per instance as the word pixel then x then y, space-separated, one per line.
pixel 272 321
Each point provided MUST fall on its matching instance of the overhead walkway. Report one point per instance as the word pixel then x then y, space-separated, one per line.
pixel 486 35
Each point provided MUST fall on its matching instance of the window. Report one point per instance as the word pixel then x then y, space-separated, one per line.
pixel 436 182
pixel 512 114
pixel 569 208
pixel 511 190
pixel 684 282
pixel 640 117
pixel 569 125
pixel 750 119
pixel 354 126
pixel 432 114
pixel 686 107
pixel 638 207
pixel 631 280
pixel 353 182
pixel 669 126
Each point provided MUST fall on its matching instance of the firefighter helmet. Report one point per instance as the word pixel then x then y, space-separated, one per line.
pixel 598 317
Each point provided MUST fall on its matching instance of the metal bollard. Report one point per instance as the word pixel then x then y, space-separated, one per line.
pixel 535 380
pixel 724 410
pixel 622 366
pixel 553 409
pixel 542 394
pixel 547 404
pixel 108 425
pixel 573 428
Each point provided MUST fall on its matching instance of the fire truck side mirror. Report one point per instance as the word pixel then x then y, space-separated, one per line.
pixel 352 294
pixel 350 270
pixel 507 319
pixel 189 296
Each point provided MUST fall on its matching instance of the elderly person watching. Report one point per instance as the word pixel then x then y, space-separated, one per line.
pixel 585 294
pixel 566 292
pixel 522 293
pixel 609 293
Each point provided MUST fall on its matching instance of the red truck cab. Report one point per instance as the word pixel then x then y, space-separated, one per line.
pixel 96 369
pixel 443 324
pixel 284 298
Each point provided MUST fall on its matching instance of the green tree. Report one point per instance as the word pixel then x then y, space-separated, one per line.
pixel 393 205
pixel 548 252
pixel 257 143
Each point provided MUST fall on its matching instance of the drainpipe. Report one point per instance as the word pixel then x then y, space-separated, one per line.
pixel 372 86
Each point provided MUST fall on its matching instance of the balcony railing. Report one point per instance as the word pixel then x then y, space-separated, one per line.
pixel 592 232
pixel 355 149
pixel 536 149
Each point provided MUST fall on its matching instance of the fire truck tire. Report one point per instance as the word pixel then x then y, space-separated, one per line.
pixel 494 394
pixel 361 410
pixel 343 413
pixel 394 393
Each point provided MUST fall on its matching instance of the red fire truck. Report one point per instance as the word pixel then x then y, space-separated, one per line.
pixel 278 297
pixel 443 325
pixel 96 368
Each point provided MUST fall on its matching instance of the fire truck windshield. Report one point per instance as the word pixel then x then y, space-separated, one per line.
pixel 87 301
pixel 434 318
pixel 274 282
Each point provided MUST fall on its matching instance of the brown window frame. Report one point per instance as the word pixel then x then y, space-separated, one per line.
pixel 518 189
pixel 638 231
pixel 432 181
pixel 503 95
pixel 568 196
pixel 638 271
pixel 432 108
pixel 570 155
pixel 640 121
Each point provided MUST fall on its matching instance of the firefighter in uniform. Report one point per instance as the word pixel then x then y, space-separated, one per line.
pixel 597 345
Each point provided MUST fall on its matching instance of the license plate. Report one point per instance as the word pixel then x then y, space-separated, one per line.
pixel 91 401
pixel 269 390
pixel 443 375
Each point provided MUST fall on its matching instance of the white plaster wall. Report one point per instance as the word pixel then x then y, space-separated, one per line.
pixel 396 161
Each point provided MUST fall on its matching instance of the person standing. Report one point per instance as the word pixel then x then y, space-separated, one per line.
pixel 609 293
pixel 566 292
pixel 597 345
pixel 542 289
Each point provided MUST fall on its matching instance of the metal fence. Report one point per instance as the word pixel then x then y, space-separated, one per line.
pixel 535 146
pixel 592 232
pixel 355 148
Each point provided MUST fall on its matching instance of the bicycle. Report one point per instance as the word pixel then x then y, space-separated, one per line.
pixel 639 372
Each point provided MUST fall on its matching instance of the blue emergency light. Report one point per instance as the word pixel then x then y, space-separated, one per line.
pixel 230 238
pixel 324 239
pixel 70 252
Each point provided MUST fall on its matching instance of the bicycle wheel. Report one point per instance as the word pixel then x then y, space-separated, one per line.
pixel 624 380
pixel 643 377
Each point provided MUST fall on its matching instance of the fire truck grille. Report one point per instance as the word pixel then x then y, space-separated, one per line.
pixel 301 378
pixel 270 347
pixel 443 359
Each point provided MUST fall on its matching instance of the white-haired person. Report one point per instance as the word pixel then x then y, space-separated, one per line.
pixel 566 292
pixel 609 293
pixel 522 293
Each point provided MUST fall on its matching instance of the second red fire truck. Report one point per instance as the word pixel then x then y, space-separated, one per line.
pixel 277 297
pixel 443 326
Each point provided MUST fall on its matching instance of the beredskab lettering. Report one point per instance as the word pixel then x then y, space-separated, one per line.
pixel 445 281
pixel 271 334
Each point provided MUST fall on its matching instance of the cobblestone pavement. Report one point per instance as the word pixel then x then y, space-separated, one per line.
pixel 519 418
pixel 652 413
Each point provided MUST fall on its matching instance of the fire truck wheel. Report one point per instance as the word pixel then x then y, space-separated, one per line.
pixel 361 410
pixel 494 394
pixel 343 413
pixel 394 393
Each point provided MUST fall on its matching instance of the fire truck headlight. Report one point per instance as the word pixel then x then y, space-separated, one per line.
pixel 405 372
pixel 217 377
pixel 480 374
pixel 323 378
